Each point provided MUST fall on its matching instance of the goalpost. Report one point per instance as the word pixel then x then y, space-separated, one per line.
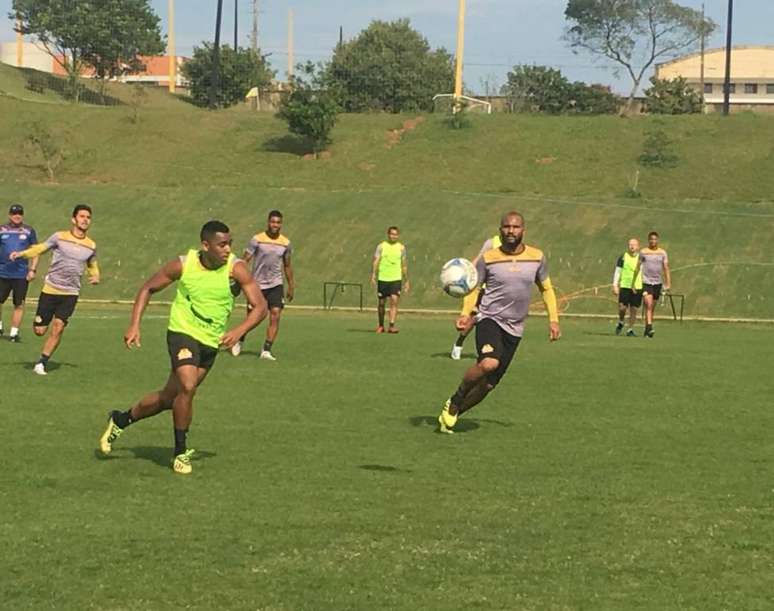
pixel 458 101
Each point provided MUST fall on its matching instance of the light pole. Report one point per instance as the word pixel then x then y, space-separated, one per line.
pixel 727 81
pixel 460 53
pixel 215 81
pixel 171 46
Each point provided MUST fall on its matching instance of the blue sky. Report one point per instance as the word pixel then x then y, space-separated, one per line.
pixel 499 33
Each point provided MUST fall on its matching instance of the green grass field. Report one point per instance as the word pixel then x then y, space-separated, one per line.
pixel 604 473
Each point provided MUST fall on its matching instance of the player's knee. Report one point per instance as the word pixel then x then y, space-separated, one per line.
pixel 39 331
pixel 489 365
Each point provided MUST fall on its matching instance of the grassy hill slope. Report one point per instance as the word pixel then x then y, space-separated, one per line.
pixel 154 182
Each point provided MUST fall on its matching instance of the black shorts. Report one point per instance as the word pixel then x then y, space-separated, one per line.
pixel 492 342
pixel 628 297
pixel 185 350
pixel 275 296
pixel 17 286
pixel 652 289
pixel 54 306
pixel 387 289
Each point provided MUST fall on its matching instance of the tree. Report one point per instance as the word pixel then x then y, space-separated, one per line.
pixel 240 71
pixel 310 108
pixel 672 97
pixel 633 34
pixel 106 35
pixel 389 67
pixel 543 89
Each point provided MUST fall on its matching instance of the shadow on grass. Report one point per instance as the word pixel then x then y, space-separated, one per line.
pixel 383 468
pixel 159 455
pixel 370 331
pixel 464 424
pixel 438 355
pixel 51 366
pixel 287 144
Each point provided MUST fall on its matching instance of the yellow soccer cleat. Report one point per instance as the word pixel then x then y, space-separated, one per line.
pixel 112 432
pixel 446 420
pixel 182 463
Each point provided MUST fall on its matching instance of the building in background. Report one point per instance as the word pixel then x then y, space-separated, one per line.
pixel 752 75
pixel 155 71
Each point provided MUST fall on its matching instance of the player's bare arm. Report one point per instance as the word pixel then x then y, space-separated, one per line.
pixel 290 276
pixel 169 273
pixel 667 277
pixel 404 271
pixel 258 307
pixel 374 269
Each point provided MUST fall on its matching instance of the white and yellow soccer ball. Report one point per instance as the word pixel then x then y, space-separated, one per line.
pixel 458 277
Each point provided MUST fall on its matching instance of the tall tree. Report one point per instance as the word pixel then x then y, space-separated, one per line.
pixel 239 71
pixel 633 34
pixel 389 67
pixel 106 35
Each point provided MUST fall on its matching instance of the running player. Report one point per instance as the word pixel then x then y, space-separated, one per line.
pixel 656 277
pixel 270 253
pixel 196 329
pixel 493 242
pixel 628 287
pixel 74 251
pixel 509 273
pixel 15 276
pixel 389 274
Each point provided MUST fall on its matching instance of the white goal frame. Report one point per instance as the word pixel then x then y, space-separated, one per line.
pixel 472 101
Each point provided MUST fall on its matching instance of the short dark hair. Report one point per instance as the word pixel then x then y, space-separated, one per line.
pixel 210 228
pixel 653 233
pixel 275 213
pixel 80 207
pixel 393 228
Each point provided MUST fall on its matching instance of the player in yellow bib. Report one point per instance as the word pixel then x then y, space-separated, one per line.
pixel 628 287
pixel 197 328
pixel 390 275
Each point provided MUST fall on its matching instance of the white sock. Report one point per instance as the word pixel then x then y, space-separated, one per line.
pixel 14 331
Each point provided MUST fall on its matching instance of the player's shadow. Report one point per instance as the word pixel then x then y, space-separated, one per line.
pixel 383 468
pixel 159 455
pixel 464 425
pixel 371 331
pixel 438 355
pixel 51 366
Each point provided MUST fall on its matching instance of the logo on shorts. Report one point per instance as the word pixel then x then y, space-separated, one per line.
pixel 184 354
pixel 487 349
pixel 38 319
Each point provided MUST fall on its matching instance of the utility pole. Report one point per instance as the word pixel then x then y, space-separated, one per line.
pixel 341 36
pixel 703 48
pixel 254 37
pixel 236 24
pixel 171 46
pixel 727 81
pixel 460 53
pixel 215 80
pixel 19 45
pixel 290 44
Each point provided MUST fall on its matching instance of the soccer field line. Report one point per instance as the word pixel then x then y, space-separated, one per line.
pixel 555 200
pixel 420 311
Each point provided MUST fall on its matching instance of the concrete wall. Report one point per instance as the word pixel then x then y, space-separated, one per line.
pixel 32 56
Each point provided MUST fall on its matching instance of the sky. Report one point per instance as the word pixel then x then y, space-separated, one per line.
pixel 499 33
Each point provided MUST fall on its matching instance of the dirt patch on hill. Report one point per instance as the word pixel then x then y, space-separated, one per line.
pixel 394 135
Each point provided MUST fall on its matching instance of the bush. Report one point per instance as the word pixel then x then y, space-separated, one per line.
pixel 657 150
pixel 672 97
pixel 240 71
pixel 310 109
pixel 546 90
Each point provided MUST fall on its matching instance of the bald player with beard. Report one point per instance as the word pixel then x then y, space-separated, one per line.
pixel 509 273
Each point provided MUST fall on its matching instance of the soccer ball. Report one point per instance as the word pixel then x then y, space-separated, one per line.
pixel 458 277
